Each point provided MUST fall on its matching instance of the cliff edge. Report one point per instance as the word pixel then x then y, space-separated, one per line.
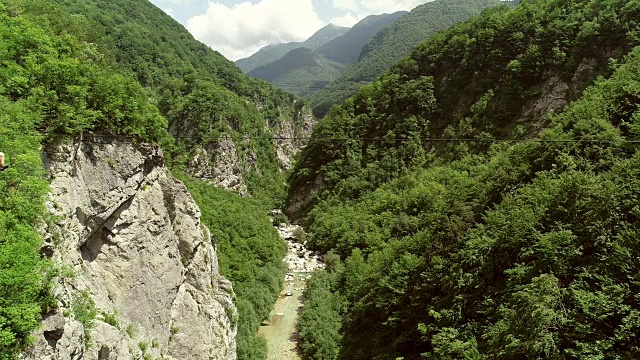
pixel 139 272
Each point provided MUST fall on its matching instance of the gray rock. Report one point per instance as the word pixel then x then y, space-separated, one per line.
pixel 221 166
pixel 290 139
pixel 133 237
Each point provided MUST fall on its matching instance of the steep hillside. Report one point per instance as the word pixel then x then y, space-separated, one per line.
pixel 70 234
pixel 526 73
pixel 267 55
pixel 303 71
pixel 324 36
pixel 199 92
pixel 392 44
pixel 484 203
pixel 274 52
pixel 70 86
pixel 143 264
pixel 300 72
pixel 346 48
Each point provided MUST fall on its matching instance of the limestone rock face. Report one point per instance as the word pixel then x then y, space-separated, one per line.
pixel 289 140
pixel 224 163
pixel 221 166
pixel 128 237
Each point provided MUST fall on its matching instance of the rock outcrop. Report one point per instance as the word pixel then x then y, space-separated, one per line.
pixel 140 276
pixel 299 259
pixel 224 163
pixel 289 140
pixel 221 166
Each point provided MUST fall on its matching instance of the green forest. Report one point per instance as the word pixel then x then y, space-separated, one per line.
pixel 52 86
pixel 478 200
pixel 470 227
pixel 393 43
pixel 63 75
pixel 251 254
pixel 301 71
pixel 195 88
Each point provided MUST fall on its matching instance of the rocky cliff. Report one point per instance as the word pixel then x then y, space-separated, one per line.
pixel 140 276
pixel 225 163
pixel 291 136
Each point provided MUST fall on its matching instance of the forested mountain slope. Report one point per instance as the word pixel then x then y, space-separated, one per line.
pixel 274 52
pixel 301 72
pixel 205 97
pixel 494 76
pixel 52 85
pixel 124 72
pixel 222 124
pixel 346 48
pixel 485 248
pixel 392 44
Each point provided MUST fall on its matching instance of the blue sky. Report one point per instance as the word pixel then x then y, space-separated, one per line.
pixel 239 28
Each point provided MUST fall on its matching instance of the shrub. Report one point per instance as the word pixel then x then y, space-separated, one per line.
pixel 84 310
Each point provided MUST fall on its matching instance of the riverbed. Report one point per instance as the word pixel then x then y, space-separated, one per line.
pixel 280 330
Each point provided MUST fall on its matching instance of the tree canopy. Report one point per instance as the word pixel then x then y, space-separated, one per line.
pixel 518 243
pixel 393 43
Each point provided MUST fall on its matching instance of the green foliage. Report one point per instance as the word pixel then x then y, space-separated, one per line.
pixel 524 252
pixel 300 235
pixel 280 218
pixel 320 321
pixel 64 80
pixel 250 255
pixel 361 145
pixel 62 75
pixel 459 100
pixel 393 43
pixel 332 260
pixel 203 96
pixel 22 192
pixel 60 85
pixel 110 318
pixel 84 311
pixel 488 250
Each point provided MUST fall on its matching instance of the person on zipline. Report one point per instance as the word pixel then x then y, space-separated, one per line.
pixel 2 165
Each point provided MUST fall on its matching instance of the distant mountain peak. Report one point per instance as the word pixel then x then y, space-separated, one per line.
pixel 325 35
pixel 346 48
pixel 274 52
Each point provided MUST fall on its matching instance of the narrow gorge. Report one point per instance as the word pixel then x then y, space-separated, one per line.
pixel 280 330
pixel 470 193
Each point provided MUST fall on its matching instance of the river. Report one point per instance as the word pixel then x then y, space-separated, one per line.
pixel 280 331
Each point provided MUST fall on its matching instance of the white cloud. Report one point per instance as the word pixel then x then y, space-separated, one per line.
pixel 367 7
pixel 240 30
pixel 168 11
pixel 347 20
pixel 173 2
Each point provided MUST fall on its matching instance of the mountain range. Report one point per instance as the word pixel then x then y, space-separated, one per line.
pixel 355 57
pixel 477 200
pixel 329 52
pixel 393 43
pixel 274 52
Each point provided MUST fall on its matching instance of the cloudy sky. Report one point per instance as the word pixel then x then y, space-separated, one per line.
pixel 239 28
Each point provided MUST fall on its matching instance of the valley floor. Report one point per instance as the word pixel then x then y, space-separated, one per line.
pixel 281 330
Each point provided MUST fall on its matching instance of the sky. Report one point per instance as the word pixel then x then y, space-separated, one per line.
pixel 239 28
